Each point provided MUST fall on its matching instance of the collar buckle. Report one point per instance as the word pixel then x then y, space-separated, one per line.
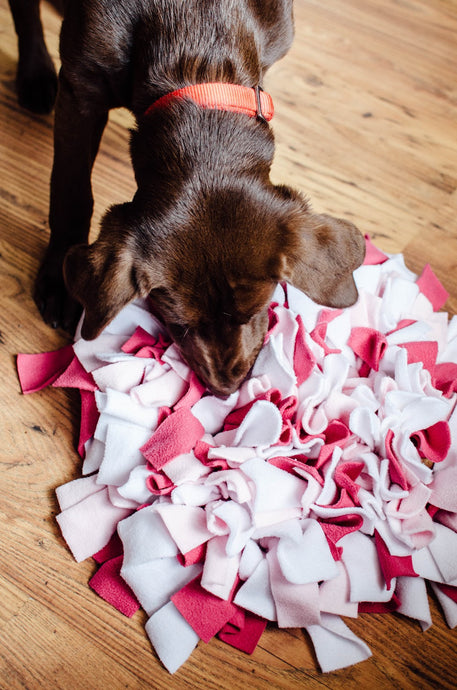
pixel 259 114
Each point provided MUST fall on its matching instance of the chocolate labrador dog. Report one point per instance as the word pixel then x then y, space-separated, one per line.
pixel 207 235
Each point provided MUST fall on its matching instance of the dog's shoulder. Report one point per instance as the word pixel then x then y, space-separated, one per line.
pixel 121 47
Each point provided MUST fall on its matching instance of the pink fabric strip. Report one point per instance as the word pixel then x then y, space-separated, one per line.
pixel 424 352
pixel 373 255
pixel 445 378
pixel 177 435
pixel 112 549
pixel 144 344
pixel 393 566
pixel 89 419
pixel 434 442
pixel 432 288
pixel 75 376
pixel 369 345
pixel 108 584
pixel 304 360
pixel 206 613
pixel 40 370
pixel 243 634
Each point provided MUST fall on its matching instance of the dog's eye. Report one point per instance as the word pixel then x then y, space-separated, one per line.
pixel 241 318
pixel 178 330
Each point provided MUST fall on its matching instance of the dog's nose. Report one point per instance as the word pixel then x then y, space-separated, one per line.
pixel 221 372
pixel 218 393
pixel 222 391
pixel 226 382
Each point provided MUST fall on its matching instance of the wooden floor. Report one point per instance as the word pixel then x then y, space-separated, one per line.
pixel 366 125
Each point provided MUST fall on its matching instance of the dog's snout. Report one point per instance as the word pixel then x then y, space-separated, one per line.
pixel 222 374
pixel 223 379
pixel 223 354
pixel 219 391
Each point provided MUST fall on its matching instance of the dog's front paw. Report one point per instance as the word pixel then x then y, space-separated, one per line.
pixel 36 84
pixel 51 296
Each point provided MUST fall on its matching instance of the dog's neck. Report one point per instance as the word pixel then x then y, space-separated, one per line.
pixel 187 145
pixel 253 102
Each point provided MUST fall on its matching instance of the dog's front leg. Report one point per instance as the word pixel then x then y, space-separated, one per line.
pixel 36 76
pixel 78 128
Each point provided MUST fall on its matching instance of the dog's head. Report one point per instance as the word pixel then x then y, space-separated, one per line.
pixel 211 266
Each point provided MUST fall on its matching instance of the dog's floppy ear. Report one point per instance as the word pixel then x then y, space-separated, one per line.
pixel 321 253
pixel 106 275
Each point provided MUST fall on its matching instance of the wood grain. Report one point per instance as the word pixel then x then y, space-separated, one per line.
pixel 365 125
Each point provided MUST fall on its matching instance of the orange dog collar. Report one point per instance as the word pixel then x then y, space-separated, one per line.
pixel 253 102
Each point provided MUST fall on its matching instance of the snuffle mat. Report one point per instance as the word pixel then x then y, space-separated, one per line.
pixel 324 487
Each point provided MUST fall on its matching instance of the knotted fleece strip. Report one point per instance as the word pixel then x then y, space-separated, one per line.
pixel 324 487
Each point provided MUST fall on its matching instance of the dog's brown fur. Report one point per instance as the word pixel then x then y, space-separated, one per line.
pixel 207 234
